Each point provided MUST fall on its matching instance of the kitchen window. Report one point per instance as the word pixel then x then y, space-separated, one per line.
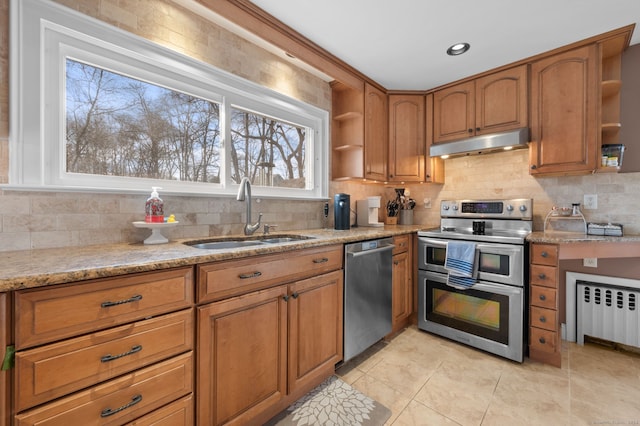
pixel 97 108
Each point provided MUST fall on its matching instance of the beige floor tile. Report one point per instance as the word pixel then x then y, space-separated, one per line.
pixel 597 401
pixel 403 375
pixel 417 414
pixel 386 395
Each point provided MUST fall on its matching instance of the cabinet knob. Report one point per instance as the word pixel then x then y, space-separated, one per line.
pixel 470 130
pixel 544 254
pixel 543 297
pixel 543 319
pixel 541 340
pixel 477 129
pixel 285 297
pixel 533 167
pixel 542 276
pixel 295 295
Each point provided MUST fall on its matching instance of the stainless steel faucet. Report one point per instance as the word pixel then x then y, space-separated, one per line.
pixel 244 194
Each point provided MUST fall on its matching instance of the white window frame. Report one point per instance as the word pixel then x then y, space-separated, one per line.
pixel 45 34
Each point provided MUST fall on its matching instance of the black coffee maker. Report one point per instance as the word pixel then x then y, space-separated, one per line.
pixel 341 211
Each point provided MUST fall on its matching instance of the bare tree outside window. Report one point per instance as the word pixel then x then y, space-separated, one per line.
pixel 120 126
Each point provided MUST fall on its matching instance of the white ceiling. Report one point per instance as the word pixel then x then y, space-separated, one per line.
pixel 402 44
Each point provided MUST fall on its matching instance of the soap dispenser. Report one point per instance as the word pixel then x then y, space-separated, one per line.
pixel 154 208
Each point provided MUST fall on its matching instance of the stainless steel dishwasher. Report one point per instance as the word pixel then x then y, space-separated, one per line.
pixel 367 294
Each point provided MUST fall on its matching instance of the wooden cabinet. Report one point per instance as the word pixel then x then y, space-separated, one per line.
pixel 494 103
pixel 402 286
pixel 260 351
pixel 115 349
pixel 375 133
pixel 359 132
pixel 564 114
pixel 5 341
pixel 544 321
pixel 407 138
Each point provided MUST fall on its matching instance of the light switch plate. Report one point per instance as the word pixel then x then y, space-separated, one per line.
pixel 427 203
pixel 590 201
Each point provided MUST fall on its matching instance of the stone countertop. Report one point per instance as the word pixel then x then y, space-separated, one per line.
pixel 38 268
pixel 575 237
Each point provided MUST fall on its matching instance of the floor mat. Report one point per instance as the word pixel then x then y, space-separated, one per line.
pixel 333 402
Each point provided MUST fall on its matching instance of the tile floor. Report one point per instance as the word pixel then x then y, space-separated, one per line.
pixel 427 380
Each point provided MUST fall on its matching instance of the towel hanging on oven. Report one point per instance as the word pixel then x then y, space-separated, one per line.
pixel 461 263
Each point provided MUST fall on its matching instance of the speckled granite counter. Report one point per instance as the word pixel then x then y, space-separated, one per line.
pixel 579 246
pixel 37 268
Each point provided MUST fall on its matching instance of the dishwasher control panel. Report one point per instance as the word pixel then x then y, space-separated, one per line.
pixel 369 245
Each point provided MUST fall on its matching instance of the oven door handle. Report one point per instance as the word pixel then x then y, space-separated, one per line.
pixel 433 242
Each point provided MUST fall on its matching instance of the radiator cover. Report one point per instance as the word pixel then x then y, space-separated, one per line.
pixel 607 312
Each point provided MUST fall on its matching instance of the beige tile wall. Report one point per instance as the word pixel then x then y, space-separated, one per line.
pixel 39 220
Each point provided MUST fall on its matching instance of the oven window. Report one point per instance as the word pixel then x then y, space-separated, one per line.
pixel 477 312
pixel 494 263
pixel 436 255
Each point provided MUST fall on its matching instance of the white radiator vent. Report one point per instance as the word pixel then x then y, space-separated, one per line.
pixel 607 312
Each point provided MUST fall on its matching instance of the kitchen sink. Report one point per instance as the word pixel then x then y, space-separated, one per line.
pixel 218 244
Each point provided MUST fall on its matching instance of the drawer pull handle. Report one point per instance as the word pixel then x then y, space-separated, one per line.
pixel 542 276
pixel 543 319
pixel 109 357
pixel 541 340
pixel 322 260
pixel 135 298
pixel 251 275
pixel 543 297
pixel 544 254
pixel 109 412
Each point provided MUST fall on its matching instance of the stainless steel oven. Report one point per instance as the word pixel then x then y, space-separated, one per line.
pixel 491 314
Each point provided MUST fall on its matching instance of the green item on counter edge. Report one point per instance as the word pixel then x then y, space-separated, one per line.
pixel 9 358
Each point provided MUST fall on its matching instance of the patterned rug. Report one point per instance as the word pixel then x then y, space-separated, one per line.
pixel 333 402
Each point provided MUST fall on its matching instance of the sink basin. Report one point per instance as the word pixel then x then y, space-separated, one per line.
pixel 217 245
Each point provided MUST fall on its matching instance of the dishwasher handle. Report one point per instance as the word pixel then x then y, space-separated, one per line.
pixel 375 250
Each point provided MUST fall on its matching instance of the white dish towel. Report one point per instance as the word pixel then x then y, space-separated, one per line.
pixel 461 263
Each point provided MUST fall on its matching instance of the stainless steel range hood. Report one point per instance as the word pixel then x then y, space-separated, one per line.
pixel 484 144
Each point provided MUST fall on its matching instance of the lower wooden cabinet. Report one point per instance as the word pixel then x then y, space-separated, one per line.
pixel 260 351
pixel 5 340
pixel 402 290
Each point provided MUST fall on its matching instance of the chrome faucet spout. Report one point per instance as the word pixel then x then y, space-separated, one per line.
pixel 244 194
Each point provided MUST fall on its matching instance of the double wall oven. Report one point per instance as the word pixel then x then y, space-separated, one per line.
pixel 491 314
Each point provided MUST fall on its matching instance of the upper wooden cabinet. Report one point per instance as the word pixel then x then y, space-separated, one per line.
pixel 359 133
pixel 375 133
pixel 494 103
pixel 407 138
pixel 564 113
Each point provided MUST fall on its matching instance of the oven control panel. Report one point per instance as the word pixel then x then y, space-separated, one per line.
pixel 517 208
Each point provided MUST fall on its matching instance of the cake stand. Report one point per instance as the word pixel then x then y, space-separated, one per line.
pixel 156 236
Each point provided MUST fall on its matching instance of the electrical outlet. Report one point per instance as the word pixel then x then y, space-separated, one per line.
pixel 590 201
pixel 590 262
pixel 427 203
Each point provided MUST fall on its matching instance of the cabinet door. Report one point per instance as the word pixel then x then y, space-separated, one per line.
pixel 5 330
pixel 242 356
pixel 375 134
pixel 315 328
pixel 434 166
pixel 501 101
pixel 564 116
pixel 401 307
pixel 406 138
pixel 453 112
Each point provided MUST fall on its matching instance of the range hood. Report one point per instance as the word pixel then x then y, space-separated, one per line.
pixel 514 139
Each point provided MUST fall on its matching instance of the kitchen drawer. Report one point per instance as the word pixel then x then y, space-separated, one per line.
pixel 120 400
pixel 544 275
pixel 543 318
pixel 46 315
pixel 544 254
pixel 220 280
pixel 543 340
pixel 178 413
pixel 401 243
pixel 543 297
pixel 57 369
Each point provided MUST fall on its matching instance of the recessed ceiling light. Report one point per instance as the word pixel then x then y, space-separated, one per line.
pixel 458 49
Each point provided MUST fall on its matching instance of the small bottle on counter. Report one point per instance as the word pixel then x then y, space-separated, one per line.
pixel 154 207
